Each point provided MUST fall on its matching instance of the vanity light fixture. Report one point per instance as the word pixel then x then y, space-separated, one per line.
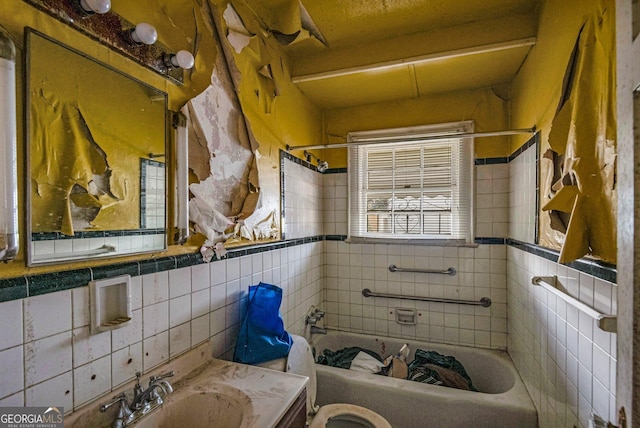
pixel 89 7
pixel 137 42
pixel 8 150
pixel 143 33
pixel 183 59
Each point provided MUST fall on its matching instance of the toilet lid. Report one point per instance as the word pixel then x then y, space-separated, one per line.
pixel 330 411
pixel 300 361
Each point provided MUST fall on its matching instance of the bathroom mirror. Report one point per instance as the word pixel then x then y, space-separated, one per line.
pixel 95 159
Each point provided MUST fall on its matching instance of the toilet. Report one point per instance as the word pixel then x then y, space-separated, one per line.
pixel 300 361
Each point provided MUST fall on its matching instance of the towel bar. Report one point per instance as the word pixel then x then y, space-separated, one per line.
pixel 451 271
pixel 605 322
pixel 484 302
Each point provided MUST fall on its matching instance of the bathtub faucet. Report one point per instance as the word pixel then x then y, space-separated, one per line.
pixel 313 316
pixel 317 330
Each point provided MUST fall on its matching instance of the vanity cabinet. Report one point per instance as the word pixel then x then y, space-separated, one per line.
pixel 296 416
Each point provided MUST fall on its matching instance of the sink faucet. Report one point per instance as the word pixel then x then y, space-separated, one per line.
pixel 144 397
pixel 144 400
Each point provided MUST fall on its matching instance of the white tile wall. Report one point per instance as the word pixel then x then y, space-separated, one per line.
pixel 522 196
pixel 481 273
pixel 335 203
pixel 303 201
pixel 54 359
pixel 566 361
pixel 492 200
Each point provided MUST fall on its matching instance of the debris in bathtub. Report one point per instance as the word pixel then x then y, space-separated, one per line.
pixel 437 369
pixel 344 357
pixel 366 363
pixel 428 367
pixel 396 366
pixel 399 369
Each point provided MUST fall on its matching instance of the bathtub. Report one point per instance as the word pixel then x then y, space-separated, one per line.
pixel 503 400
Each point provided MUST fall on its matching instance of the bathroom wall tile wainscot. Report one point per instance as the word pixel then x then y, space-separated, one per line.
pixel 566 361
pixel 178 303
pixel 481 272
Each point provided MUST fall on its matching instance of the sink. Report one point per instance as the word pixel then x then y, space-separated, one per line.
pixel 203 407
pixel 207 393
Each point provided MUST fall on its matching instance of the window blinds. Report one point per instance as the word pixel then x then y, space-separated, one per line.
pixel 412 191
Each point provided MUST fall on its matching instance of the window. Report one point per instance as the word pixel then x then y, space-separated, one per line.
pixel 412 184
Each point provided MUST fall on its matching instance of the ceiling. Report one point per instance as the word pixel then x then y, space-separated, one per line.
pixel 388 50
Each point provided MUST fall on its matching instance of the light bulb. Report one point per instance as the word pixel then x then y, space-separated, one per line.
pixel 95 6
pixel 144 33
pixel 183 59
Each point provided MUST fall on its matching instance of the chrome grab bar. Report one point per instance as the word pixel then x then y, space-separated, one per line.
pixel 484 302
pixel 605 322
pixel 451 271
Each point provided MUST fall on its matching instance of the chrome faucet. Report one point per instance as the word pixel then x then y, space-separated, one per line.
pixel 144 400
pixel 312 318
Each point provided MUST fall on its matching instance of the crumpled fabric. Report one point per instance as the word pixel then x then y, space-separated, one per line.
pixel 434 368
pixel 342 358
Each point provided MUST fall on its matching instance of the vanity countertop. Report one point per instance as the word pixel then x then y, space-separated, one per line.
pixel 202 384
pixel 266 394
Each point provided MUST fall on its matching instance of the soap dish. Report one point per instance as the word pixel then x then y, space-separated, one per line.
pixel 110 303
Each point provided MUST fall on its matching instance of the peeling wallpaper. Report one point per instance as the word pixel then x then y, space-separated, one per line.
pixel 224 150
pixel 536 94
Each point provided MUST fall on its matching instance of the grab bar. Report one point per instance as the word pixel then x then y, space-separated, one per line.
pixel 606 323
pixel 451 271
pixel 484 302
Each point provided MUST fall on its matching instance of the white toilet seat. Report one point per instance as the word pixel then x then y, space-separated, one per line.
pixel 329 411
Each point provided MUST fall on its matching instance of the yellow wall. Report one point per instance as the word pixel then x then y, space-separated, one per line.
pixel 483 106
pixel 180 24
pixel 535 98
pixel 535 92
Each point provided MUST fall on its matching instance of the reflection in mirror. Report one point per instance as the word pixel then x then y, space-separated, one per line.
pixel 97 139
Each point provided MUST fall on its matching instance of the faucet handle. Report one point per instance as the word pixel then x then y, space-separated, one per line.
pixel 318 313
pixel 137 389
pixel 122 398
pixel 154 379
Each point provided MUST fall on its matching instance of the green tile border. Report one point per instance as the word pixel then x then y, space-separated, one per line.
pixel 57 281
pixel 36 285
pixel 13 289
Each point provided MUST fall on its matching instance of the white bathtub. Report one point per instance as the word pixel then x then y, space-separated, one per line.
pixel 502 401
